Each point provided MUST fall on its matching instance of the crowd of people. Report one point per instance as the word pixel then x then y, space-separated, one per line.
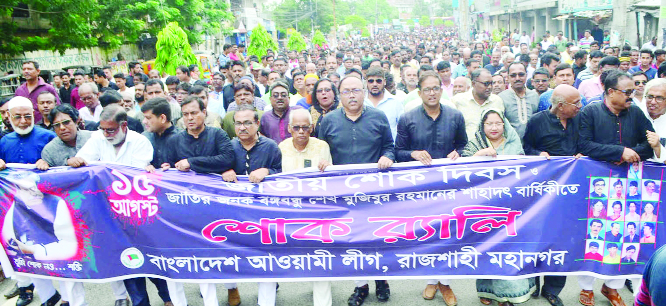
pixel 397 97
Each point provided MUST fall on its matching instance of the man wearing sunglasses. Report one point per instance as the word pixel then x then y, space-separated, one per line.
pixel 70 139
pixel 473 103
pixel 274 123
pixel 379 98
pixel 640 79
pixel 301 150
pixel 520 103
pixel 613 131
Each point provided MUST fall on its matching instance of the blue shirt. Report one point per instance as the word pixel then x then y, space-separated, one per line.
pixel 460 70
pixel 651 73
pixel 544 100
pixel 264 154
pixel 27 149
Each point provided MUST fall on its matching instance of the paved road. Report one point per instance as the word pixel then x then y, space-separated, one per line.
pixel 406 292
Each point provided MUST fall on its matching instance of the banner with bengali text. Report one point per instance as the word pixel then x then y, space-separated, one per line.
pixel 486 218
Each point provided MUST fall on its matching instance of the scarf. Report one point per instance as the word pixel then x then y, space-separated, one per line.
pixel 510 146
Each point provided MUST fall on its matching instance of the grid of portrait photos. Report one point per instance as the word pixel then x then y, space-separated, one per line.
pixel 621 216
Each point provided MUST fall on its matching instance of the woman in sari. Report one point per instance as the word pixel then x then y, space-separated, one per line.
pixel 597 209
pixel 496 136
pixel 616 214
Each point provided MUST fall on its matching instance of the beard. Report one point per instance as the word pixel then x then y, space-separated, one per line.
pixel 118 138
pixel 25 131
pixel 139 98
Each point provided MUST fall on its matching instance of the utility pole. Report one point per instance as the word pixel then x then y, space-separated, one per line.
pixel 464 20
pixel 619 24
pixel 661 28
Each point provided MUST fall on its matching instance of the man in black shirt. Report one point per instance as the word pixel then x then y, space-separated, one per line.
pixel 580 59
pixel 615 130
pixel 201 149
pixel 555 131
pixel 65 92
pixel 113 97
pixel 157 120
pixel 358 134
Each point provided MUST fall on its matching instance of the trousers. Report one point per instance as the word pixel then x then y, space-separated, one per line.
pixel 587 282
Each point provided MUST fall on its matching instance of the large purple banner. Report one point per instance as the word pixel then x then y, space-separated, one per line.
pixel 486 218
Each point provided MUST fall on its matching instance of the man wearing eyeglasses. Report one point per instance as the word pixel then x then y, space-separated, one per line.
pixel 592 87
pixel 473 103
pixel 359 134
pixel 520 103
pixel 274 123
pixel 89 94
pixel 613 131
pixel 654 109
pixel 379 98
pixel 70 139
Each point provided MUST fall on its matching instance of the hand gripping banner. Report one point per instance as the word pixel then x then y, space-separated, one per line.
pixel 506 218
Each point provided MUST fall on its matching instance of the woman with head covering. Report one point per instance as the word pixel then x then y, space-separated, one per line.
pixel 496 136
pixel 324 100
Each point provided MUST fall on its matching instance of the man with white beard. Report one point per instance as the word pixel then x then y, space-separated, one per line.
pixel 115 142
pixel 24 146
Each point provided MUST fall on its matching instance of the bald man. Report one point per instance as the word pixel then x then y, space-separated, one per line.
pixel 554 132
pixel 461 70
pixel 461 84
pixel 310 68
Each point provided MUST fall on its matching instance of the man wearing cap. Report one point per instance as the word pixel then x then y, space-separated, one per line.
pixel 24 146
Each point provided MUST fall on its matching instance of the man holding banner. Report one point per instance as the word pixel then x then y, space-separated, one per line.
pixel 613 131
pixel 349 133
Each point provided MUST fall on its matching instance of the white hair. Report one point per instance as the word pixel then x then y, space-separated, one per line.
pixel 656 82
pixel 92 86
pixel 299 111
pixel 507 55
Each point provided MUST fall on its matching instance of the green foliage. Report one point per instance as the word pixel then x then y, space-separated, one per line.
pixel 65 24
pixel 356 21
pixel 365 32
pixel 438 22
pixel 296 42
pixel 173 49
pixel 260 41
pixel 409 22
pixel 449 23
pixel 318 39
pixel 424 21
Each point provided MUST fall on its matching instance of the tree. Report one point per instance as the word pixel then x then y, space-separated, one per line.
pixel 69 28
pixel 318 40
pixel 296 42
pixel 260 42
pixel 438 22
pixel 173 49
pixel 356 21
pixel 425 21
pixel 104 23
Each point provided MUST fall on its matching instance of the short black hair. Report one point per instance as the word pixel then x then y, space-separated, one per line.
pixel 247 107
pixel 596 54
pixel 66 109
pixel 184 86
pixel 631 223
pixel 110 96
pixel 548 58
pixel 541 70
pixel 661 72
pixel 598 180
pixel 172 79
pixel 647 51
pixel 613 78
pixel 100 73
pixel 609 61
pixel 477 72
pixel 153 82
pixel 631 247
pixel 580 54
pixel 659 52
pixel 183 69
pixel 189 99
pixel 443 65
pixel 119 75
pixel 196 89
pixel 593 221
pixel 650 225
pixel 560 67
pixel 158 106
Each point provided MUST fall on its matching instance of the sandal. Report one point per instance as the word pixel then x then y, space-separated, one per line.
pixel 586 297
pixel 554 300
pixel 485 301
pixel 359 295
pixel 382 290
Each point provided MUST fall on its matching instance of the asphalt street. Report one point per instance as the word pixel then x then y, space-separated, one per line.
pixel 405 292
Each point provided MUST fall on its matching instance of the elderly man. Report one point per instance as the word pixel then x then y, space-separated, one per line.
pixel 554 132
pixel 274 123
pixel 89 95
pixel 46 101
pixel 115 142
pixel 112 97
pixel 34 85
pixel 69 141
pixel 302 151
pixel 654 109
pixel 460 85
pixel 615 116
pixel 379 98
pixel 358 134
pixel 473 103
pixel 461 69
pixel 24 146
pixel 520 103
